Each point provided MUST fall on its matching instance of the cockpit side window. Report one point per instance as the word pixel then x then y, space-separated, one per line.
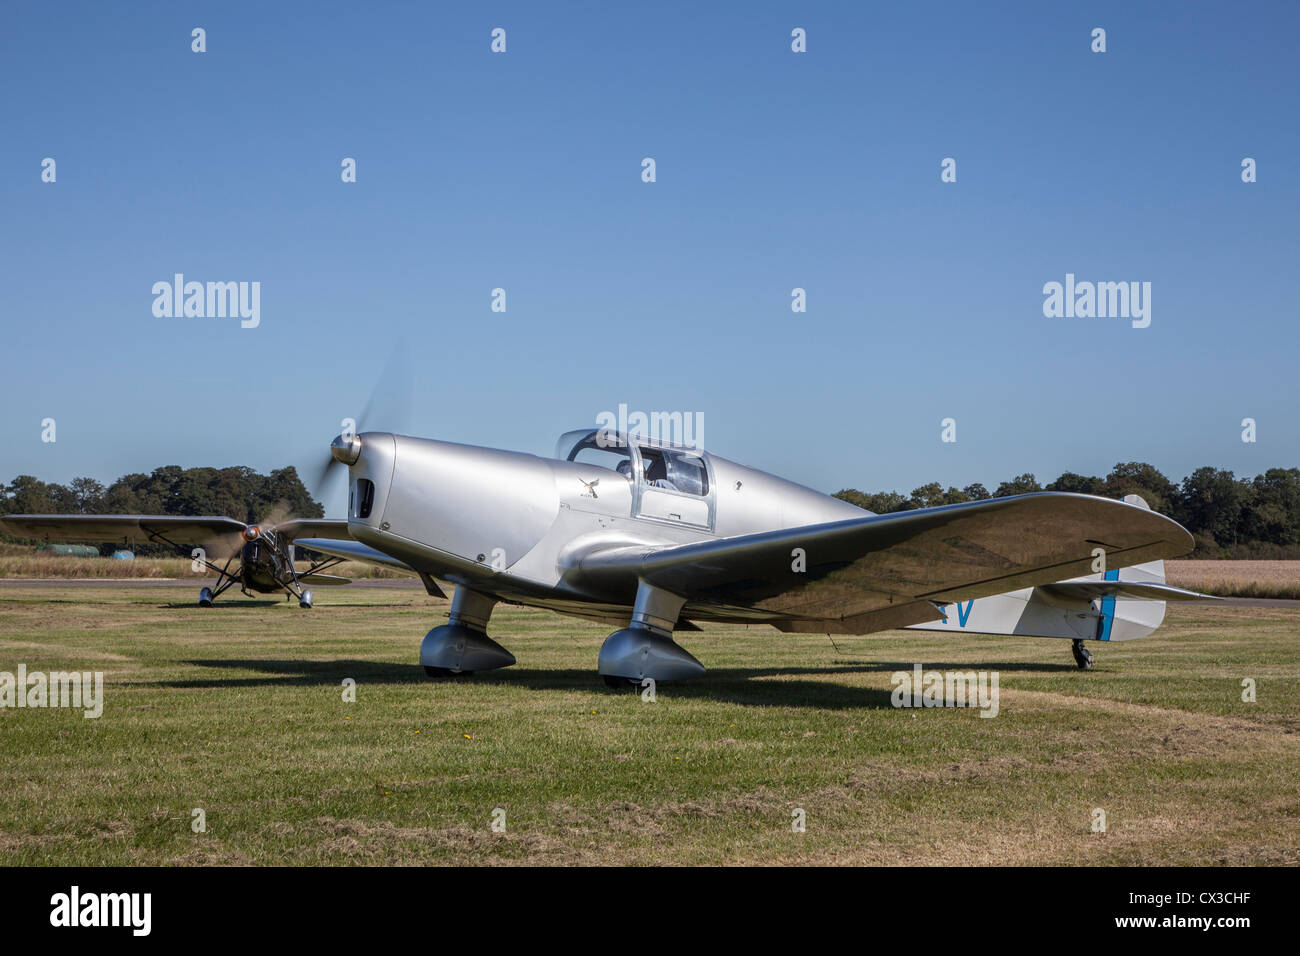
pixel 674 470
pixel 654 468
pixel 688 473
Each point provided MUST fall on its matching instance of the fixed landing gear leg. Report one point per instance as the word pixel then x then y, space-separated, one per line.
pixel 461 646
pixel 224 580
pixel 646 648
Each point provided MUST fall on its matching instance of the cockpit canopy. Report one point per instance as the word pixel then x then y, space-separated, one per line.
pixel 570 443
pixel 659 464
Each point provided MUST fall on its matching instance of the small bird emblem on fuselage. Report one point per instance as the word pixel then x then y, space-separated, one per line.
pixel 591 488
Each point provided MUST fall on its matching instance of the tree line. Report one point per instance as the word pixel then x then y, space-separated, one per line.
pixel 1229 517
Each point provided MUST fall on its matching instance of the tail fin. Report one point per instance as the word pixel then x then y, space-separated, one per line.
pixel 1153 571
pixel 1126 619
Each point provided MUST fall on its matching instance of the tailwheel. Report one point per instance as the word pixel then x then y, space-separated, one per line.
pixel 1082 656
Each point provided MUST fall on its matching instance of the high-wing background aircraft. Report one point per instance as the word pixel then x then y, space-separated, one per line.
pixel 262 555
pixel 654 537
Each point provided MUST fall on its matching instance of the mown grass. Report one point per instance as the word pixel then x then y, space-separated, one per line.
pixel 238 710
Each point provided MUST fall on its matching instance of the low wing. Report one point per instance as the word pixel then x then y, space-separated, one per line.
pixel 884 571
pixel 353 551
pixel 183 529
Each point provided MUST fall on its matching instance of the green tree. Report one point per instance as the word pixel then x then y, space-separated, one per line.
pixel 1139 478
pixel 1020 485
pixel 1272 513
pixel 128 495
pixel 933 495
pixel 927 496
pixel 1211 503
pixel 882 502
pixel 161 491
pixel 87 496
pixel 26 495
pixel 1080 484
pixel 284 488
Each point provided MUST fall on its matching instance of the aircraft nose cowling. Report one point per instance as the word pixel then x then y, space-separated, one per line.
pixel 479 504
pixel 370 474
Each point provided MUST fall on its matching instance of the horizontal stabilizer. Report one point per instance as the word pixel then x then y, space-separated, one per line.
pixel 323 579
pixel 1146 591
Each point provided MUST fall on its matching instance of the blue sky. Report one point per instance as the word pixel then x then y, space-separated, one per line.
pixel 775 170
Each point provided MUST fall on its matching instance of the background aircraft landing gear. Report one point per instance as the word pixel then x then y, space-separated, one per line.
pixel 224 580
pixel 1082 656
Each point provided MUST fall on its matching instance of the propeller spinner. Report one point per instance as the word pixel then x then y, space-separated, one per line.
pixel 346 449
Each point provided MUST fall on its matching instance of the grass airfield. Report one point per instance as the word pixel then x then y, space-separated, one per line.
pixel 238 710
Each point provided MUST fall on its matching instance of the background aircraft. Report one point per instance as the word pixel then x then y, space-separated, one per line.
pixel 654 537
pixel 259 557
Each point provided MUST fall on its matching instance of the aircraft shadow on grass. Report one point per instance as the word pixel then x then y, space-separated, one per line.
pixel 739 685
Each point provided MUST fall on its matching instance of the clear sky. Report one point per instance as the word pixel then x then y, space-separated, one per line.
pixel 775 170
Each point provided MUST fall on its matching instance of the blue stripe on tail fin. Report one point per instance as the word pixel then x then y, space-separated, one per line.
pixel 1107 609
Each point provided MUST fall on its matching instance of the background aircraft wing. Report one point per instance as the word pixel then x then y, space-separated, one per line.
pixel 353 551
pixel 884 571
pixel 296 528
pixel 185 529
pixel 218 536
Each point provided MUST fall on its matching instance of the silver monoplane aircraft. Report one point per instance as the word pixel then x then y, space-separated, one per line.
pixel 654 537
